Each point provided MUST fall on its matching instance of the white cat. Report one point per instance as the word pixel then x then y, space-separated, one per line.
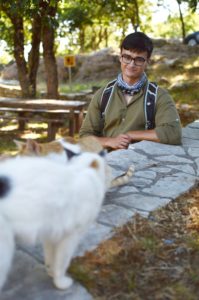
pixel 57 150
pixel 42 200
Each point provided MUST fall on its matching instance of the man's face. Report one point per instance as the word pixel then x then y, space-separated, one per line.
pixel 133 65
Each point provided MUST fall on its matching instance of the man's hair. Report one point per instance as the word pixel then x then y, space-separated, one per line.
pixel 139 42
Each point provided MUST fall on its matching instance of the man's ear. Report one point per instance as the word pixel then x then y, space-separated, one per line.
pixel 149 60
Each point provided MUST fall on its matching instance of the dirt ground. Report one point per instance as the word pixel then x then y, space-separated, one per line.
pixel 148 259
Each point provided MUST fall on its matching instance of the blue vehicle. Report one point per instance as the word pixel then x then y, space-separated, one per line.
pixel 192 39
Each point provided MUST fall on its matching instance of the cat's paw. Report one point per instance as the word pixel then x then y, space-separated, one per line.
pixel 49 271
pixel 63 283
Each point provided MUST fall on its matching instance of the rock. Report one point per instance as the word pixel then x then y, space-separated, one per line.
pixel 99 65
pixel 181 85
pixel 175 62
pixel 10 72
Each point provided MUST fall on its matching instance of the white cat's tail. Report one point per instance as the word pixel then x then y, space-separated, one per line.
pixel 7 246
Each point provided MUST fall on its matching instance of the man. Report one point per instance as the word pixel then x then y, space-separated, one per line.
pixel 124 119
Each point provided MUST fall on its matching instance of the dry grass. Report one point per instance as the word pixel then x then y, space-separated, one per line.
pixel 148 259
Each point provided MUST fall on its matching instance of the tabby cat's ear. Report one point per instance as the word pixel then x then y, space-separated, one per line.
pixel 30 146
pixel 20 145
pixel 33 147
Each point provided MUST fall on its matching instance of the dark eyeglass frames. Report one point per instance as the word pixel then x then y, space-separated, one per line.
pixel 138 60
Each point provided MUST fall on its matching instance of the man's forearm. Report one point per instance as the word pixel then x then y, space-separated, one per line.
pixel 140 135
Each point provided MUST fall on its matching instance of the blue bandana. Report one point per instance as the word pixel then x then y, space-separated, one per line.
pixel 131 89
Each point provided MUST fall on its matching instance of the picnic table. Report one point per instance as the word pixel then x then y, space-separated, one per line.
pixel 51 111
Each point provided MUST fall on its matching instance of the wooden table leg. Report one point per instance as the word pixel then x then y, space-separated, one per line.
pixel 52 129
pixel 78 120
pixel 72 123
pixel 21 123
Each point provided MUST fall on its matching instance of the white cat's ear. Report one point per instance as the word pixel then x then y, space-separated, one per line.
pixel 70 154
pixel 4 186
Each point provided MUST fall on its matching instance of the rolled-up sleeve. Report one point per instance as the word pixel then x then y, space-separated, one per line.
pixel 168 126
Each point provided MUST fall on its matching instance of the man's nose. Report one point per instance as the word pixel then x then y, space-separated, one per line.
pixel 132 63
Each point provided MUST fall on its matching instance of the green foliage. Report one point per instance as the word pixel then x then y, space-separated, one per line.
pixel 192 4
pixel 172 27
pixel 91 25
pixel 6 31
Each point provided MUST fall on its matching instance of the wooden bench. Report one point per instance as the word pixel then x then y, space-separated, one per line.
pixel 53 112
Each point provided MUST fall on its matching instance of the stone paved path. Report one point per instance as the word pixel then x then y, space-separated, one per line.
pixel 162 173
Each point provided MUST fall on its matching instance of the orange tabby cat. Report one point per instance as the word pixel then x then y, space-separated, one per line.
pixel 55 150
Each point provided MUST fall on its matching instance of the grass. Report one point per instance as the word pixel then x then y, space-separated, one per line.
pixel 185 78
pixel 147 259
pixel 74 87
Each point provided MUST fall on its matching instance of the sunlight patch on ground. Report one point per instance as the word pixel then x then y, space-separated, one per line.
pixel 8 128
pixel 37 125
pixel 177 78
pixel 191 65
pixel 30 135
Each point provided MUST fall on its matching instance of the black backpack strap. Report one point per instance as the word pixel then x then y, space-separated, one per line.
pixel 106 96
pixel 149 105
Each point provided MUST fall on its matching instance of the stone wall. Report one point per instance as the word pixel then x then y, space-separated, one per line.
pixel 10 91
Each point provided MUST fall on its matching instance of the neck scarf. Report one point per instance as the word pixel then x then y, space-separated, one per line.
pixel 131 89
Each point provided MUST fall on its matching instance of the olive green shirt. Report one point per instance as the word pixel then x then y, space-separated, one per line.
pixel 121 117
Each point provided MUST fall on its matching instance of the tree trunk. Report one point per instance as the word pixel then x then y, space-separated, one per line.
pixel 50 61
pixel 48 12
pixel 33 58
pixel 82 39
pixel 106 37
pixel 17 22
pixel 181 20
pixel 135 18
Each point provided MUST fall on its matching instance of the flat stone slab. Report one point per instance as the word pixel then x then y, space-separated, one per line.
pixel 194 124
pixel 140 203
pixel 28 280
pixel 114 216
pixel 172 186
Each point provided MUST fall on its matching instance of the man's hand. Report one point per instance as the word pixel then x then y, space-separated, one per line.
pixel 121 141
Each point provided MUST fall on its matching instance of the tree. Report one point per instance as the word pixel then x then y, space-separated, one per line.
pixel 191 5
pixel 181 19
pixel 94 21
pixel 35 14
pixel 49 24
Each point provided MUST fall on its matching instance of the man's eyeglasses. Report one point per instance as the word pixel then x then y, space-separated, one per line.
pixel 138 60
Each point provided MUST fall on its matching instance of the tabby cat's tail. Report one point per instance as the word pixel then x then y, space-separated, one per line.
pixel 124 178
pixel 7 246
